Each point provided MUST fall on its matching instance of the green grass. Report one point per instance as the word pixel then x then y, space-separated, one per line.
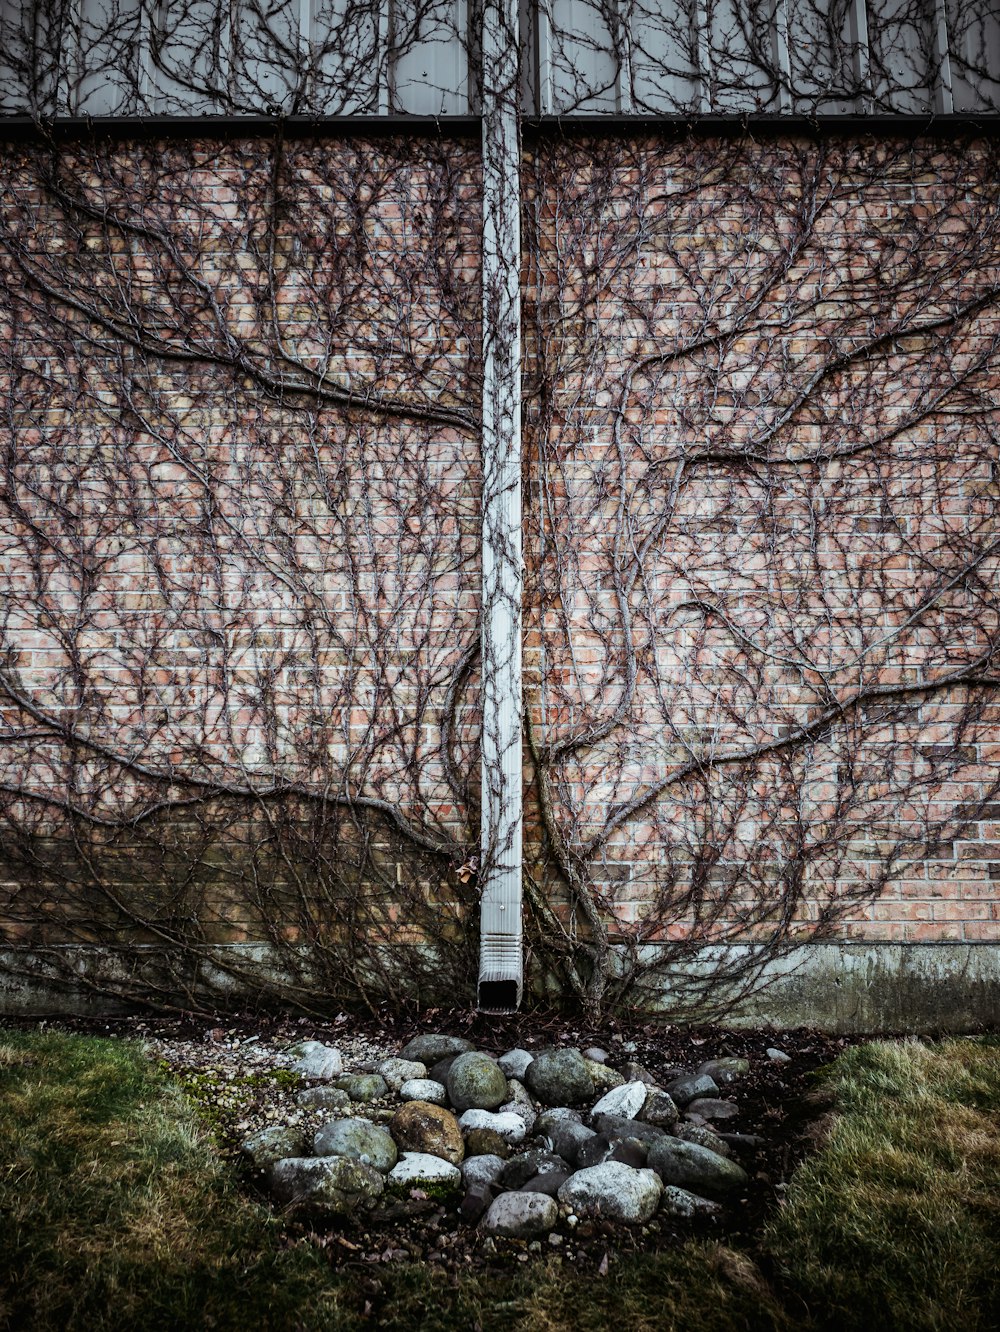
pixel 116 1213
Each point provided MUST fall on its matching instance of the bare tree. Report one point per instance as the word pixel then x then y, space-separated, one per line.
pixel 241 487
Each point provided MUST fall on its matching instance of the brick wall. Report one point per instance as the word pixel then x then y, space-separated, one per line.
pixel 239 533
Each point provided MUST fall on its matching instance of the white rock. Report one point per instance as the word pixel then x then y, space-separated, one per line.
pixel 423 1089
pixel 509 1125
pixel 485 1169
pixel 415 1168
pixel 521 1215
pixel 398 1071
pixel 514 1062
pixel 317 1060
pixel 613 1190
pixel 778 1056
pixel 626 1100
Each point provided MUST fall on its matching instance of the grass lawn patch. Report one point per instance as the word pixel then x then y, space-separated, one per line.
pixel 116 1212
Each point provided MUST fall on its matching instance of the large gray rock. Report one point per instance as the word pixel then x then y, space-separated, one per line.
pixel 423 1089
pixel 519 1103
pixel 679 1202
pixel 560 1077
pixel 568 1138
pixel 521 1215
pixel 626 1100
pixel 704 1137
pixel 273 1144
pixel 557 1114
pixel 420 1170
pixel 334 1183
pixel 428 1049
pixel 514 1062
pixel 613 1190
pixel 363 1086
pixel 476 1082
pixel 519 1169
pixel 316 1060
pixel 617 1127
pixel 691 1085
pixel 509 1126
pixel 485 1169
pixel 725 1070
pixel 550 1183
pixel 398 1071
pixel 358 1139
pixel 694 1167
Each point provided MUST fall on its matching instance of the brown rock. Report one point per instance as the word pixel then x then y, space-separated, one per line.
pixel 421 1127
pixel 486 1142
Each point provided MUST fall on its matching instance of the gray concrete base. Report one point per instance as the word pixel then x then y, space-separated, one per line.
pixel 841 987
pixel 880 987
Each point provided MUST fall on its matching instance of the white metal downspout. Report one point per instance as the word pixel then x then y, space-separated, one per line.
pixel 501 960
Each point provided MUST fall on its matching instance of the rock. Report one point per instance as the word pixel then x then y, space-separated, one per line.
pixel 475 1082
pixel 326 1098
pixel 423 1089
pixel 483 1169
pixel 617 1126
pixel 363 1086
pixel 690 1086
pixel 778 1056
pixel 613 1190
pixel 520 1169
pixel 556 1115
pixel 604 1077
pixel 430 1129
pixel 521 1215
pixel 679 1202
pixel 519 1104
pixel 486 1142
pixel 595 1053
pixel 626 1100
pixel 273 1144
pixel 358 1139
pixel 704 1137
pixel 510 1126
pixel 711 1108
pixel 419 1169
pixel 440 1071
pixel 316 1060
pixel 514 1062
pixel 477 1198
pixel 428 1049
pixel 660 1110
pixel 629 1152
pixel 592 1152
pixel 551 1182
pixel 567 1138
pixel 559 1078
pixel 334 1183
pixel 632 1072
pixel 725 1070
pixel 398 1071
pixel 694 1167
